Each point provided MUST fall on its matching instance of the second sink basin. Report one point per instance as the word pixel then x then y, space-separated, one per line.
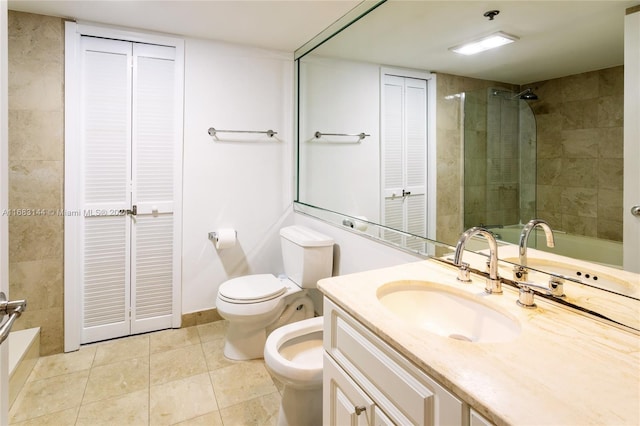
pixel 436 308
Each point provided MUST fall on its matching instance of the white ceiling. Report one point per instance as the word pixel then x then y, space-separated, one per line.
pixel 557 38
pixel 280 25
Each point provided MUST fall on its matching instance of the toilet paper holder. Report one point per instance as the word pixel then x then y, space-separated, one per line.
pixel 214 235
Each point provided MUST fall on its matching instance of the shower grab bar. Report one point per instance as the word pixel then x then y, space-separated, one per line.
pixel 212 132
pixel 12 308
pixel 319 134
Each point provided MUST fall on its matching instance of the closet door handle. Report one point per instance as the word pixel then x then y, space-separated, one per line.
pixel 133 211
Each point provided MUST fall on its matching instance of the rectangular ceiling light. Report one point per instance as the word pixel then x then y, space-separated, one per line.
pixel 485 43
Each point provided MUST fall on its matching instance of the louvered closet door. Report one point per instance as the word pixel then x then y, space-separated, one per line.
pixel 106 170
pixel 152 272
pixel 404 148
pixel 129 153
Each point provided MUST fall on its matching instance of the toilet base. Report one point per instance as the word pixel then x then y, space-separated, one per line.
pixel 241 344
pixel 300 407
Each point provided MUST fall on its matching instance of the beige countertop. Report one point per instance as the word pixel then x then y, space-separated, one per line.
pixel 564 368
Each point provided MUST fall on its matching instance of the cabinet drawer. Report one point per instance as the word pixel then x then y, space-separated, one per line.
pixel 405 393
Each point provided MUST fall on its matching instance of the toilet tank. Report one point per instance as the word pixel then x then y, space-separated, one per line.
pixel 307 255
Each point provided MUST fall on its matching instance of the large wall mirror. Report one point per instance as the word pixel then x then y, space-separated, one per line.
pixel 396 129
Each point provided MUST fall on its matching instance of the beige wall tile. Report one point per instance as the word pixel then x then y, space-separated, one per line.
pixel 50 321
pixel 39 282
pixel 611 81
pixel 611 142
pixel 581 202
pixel 610 229
pixel 591 131
pixel 35 238
pixel 611 173
pixel 36 112
pixel 580 225
pixel 610 111
pixel 36 135
pixel 580 143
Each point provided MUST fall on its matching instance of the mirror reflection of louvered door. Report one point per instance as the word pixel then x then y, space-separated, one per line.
pixel 128 183
pixel 404 158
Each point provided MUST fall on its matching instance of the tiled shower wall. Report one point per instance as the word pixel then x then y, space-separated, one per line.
pixel 580 152
pixel 36 173
pixel 450 183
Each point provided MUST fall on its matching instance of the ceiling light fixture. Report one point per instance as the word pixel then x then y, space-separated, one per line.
pixel 491 41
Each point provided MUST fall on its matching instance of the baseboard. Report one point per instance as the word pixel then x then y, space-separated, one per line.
pixel 200 317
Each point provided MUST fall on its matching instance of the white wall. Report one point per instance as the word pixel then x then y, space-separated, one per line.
pixel 245 181
pixel 239 181
pixel 353 252
pixel 344 98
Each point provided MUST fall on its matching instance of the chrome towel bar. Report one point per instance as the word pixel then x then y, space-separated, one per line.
pixel 319 134
pixel 213 132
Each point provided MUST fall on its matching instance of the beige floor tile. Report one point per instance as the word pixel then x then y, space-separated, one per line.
pixel 213 353
pixel 210 419
pixel 130 409
pixel 241 382
pixel 212 331
pixel 174 338
pixel 121 349
pixel 55 365
pixel 118 378
pixel 60 418
pixel 177 364
pixel 46 396
pixel 261 411
pixel 181 400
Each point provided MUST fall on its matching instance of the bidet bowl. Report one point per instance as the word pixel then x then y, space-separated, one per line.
pixel 438 309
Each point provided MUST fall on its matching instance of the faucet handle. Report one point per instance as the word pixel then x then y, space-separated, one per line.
pixel 556 286
pixel 464 275
pixel 526 294
pixel 520 273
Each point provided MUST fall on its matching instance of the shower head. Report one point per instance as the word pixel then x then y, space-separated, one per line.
pixel 527 95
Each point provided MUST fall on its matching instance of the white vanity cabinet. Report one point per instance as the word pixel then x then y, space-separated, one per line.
pixel 367 382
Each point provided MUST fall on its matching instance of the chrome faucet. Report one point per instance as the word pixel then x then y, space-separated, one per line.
pixel 493 284
pixel 520 272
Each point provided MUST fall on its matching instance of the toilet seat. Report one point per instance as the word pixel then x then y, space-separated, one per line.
pixel 252 289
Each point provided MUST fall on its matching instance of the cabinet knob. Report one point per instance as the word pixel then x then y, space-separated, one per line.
pixel 360 409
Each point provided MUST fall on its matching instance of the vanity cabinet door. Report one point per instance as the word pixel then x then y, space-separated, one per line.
pixel 345 403
pixel 404 392
pixel 476 419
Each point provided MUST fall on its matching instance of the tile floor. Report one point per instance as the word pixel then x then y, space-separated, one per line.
pixel 163 378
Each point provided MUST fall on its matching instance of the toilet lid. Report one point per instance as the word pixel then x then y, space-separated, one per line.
pixel 251 288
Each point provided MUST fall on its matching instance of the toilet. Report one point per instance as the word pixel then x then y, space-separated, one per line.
pixel 255 305
pixel 293 355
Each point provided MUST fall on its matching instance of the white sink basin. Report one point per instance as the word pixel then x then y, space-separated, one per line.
pixel 436 308
pixel 590 277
